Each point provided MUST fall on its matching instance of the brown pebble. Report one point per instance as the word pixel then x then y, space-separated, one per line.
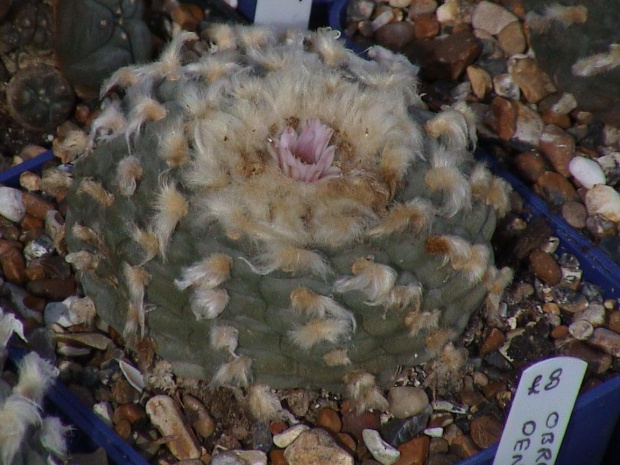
pixel 533 81
pixel 35 272
pixel 600 226
pixel 414 452
pixel 464 447
pixel 598 362
pixel 575 214
pixel 438 446
pixel 81 113
pixel 480 80
pixel 347 441
pixel 531 165
pixel 511 39
pixel 545 267
pixel 555 188
pixel 54 289
pixel 395 36
pixel 329 419
pixel 485 431
pixel 130 412
pixel 355 424
pixel 501 117
pixel 491 390
pixel 562 121
pixel 36 206
pixel 471 398
pixel 558 147
pixel 559 332
pixel 123 392
pixel 202 422
pixel 606 340
pixel 426 26
pixel 12 262
pixel 277 426
pixel 529 125
pixel 494 340
pixel 276 457
pixel 188 16
pixel 123 428
pixel 440 420
pixel 420 7
pixel 30 222
pixel 614 321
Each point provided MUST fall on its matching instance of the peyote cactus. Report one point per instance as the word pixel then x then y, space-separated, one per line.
pixel 281 211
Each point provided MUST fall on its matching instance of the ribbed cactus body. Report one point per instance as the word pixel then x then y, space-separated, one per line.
pixel 280 211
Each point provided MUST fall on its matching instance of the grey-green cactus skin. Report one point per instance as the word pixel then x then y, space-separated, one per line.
pixel 259 305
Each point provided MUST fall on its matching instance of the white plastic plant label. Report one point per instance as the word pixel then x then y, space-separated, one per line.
pixel 283 14
pixel 540 412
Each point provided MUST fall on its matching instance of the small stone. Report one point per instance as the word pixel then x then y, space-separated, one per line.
pixel 529 125
pixel 285 438
pixel 378 448
pixel 104 411
pixel 261 436
pixel 559 332
pixel 398 431
pixel 54 289
pixel 395 35
pixel 406 401
pixel 545 267
pixel 559 103
pixel 575 214
pixel 581 330
pixel 276 457
pixel 94 340
pixel 512 40
pixel 464 447
pixel 555 188
pixel 480 80
pixel 449 12
pixel 594 314
pixel 504 86
pixel 588 172
pixel 421 7
pixel 559 148
pixel 30 181
pixel 167 418
pixel 329 419
pixel 485 431
pixel 123 429
pixel 123 392
pixel 414 452
pixel 598 362
pixel 130 412
pixel 202 422
pixel 347 441
pixel 452 55
pixel 606 340
pixel 36 206
pixel 494 340
pixel 382 19
pixel 605 201
pixel 601 227
pixel 569 300
pixel 187 15
pixel 501 118
pixel 11 205
pixel 354 424
pixel 316 446
pixel 30 151
pixel 531 165
pixel 491 17
pixel 561 121
pixel 533 81
pixel 239 457
pixel 360 10
pixel 614 321
pixel 439 446
pixel 399 3
pixel 426 26
pixel 12 262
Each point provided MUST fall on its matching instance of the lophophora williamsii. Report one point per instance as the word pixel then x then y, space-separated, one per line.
pixel 273 210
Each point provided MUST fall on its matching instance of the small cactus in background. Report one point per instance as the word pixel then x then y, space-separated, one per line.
pixel 277 210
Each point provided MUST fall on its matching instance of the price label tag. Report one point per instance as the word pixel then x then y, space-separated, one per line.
pixel 283 14
pixel 540 412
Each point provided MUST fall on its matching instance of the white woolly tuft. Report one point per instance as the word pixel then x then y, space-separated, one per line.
pixel 234 373
pixel 207 304
pixel 18 414
pixel 53 436
pixel 170 58
pixel 307 302
pixel 264 404
pixel 490 190
pixel 418 321
pixel 173 147
pixel 472 260
pixel 496 282
pixel 451 128
pixel 96 191
pixel 128 173
pixel 224 338
pixel 291 260
pixel 74 144
pixel 445 176
pixel 402 297
pixel 599 63
pixel 147 240
pixel 337 357
pixel 9 325
pixel 208 273
pixel 82 260
pixel 417 215
pixel 137 280
pixel 223 37
pixel 124 78
pixel 255 36
pixel 170 207
pixel 90 236
pixel 332 52
pixel 36 375
pixel 373 279
pixel 316 331
pixel 143 109
pixel 363 392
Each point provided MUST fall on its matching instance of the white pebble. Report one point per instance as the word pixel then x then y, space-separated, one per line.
pixel 588 172
pixel 378 448
pixel 581 330
pixel 605 201
pixel 286 438
pixel 11 206
pixel 406 401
